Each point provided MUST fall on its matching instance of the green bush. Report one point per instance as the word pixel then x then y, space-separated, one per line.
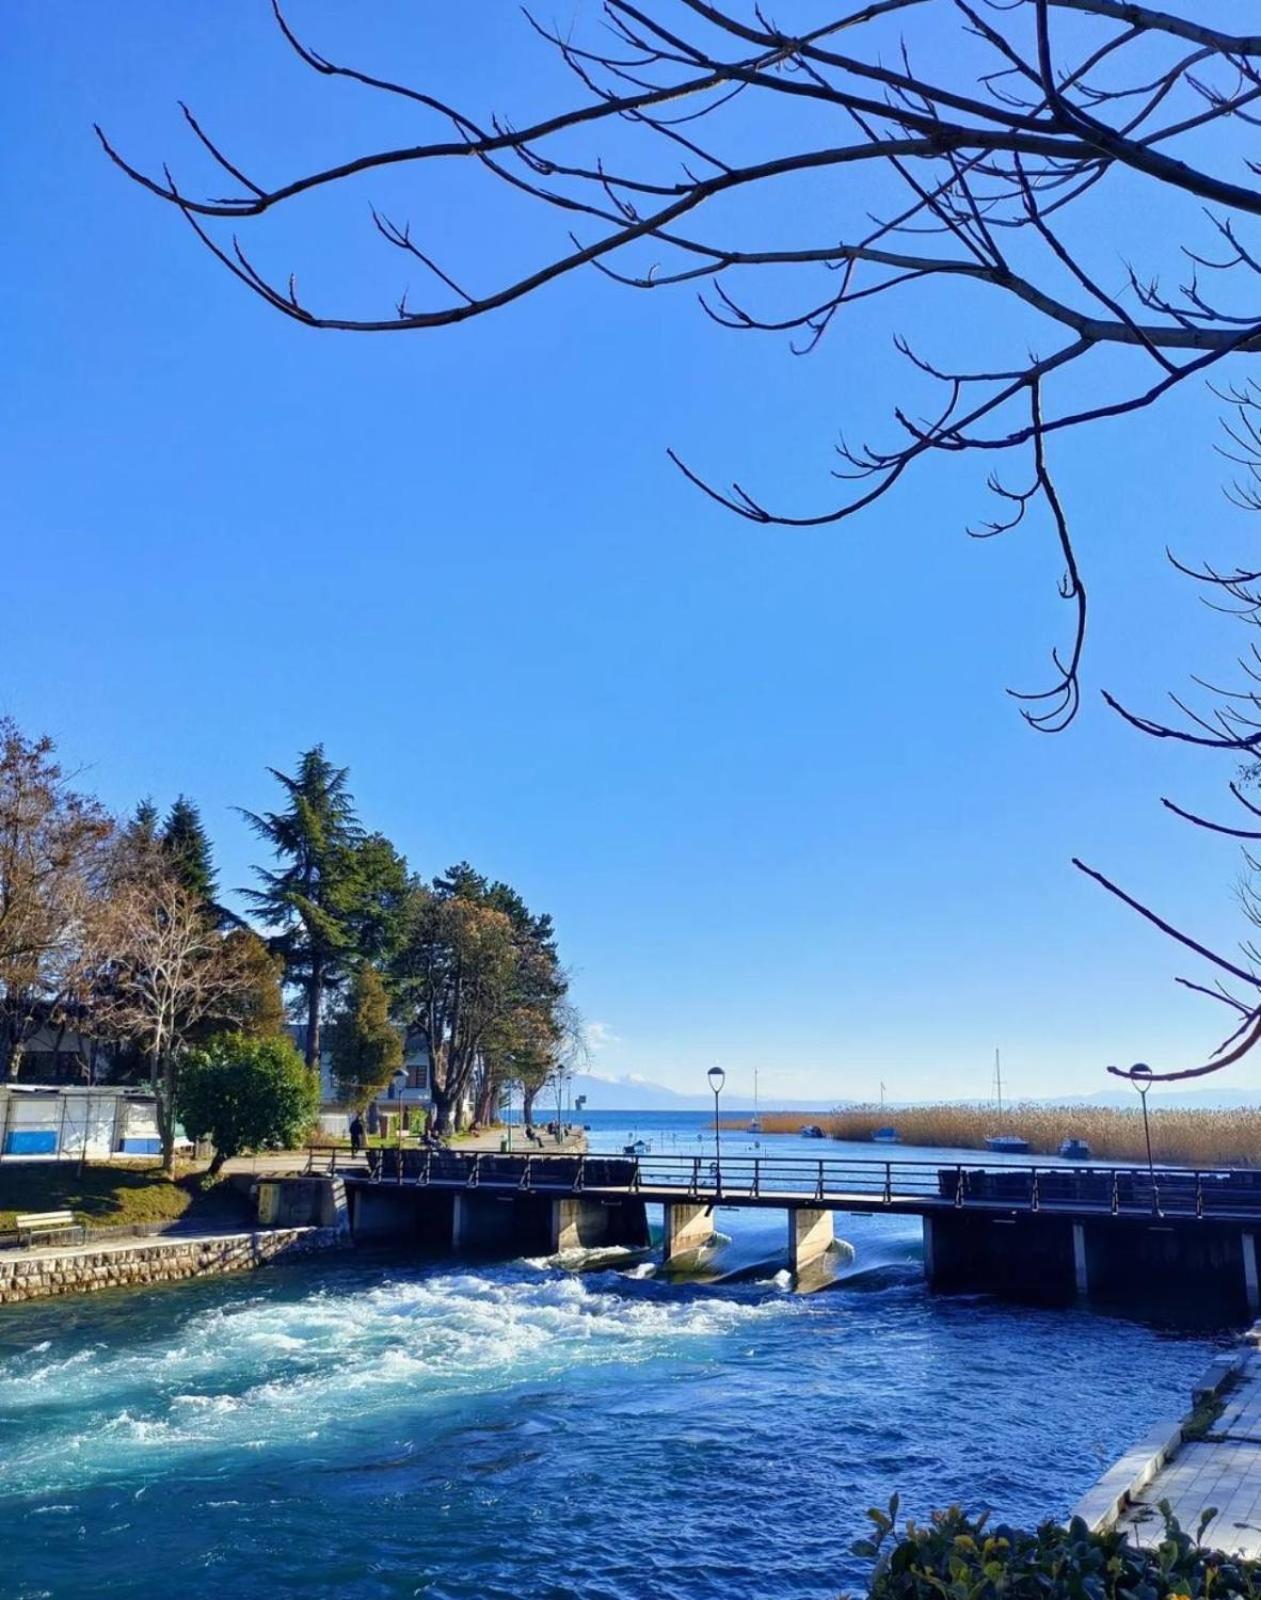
pixel 957 1557
pixel 246 1094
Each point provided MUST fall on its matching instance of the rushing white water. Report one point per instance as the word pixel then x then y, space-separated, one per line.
pixel 261 1372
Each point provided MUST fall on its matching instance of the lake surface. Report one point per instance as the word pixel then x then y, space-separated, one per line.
pixel 367 1427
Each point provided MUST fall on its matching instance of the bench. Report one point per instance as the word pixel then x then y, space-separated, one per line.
pixel 48 1224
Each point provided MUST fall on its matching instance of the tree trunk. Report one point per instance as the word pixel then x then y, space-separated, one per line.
pixel 315 1001
pixel 485 1109
pixel 216 1163
pixel 527 1105
pixel 442 1107
pixel 16 1049
pixel 162 1076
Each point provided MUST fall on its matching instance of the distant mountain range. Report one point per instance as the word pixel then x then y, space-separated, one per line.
pixel 638 1094
pixel 632 1093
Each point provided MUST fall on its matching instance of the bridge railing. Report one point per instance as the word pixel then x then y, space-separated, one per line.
pixel 856 1184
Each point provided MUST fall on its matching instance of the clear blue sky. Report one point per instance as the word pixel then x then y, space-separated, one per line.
pixel 768 783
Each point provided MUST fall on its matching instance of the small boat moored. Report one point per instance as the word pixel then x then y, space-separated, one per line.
pixel 811 1130
pixel 640 1147
pixel 1007 1144
pixel 1075 1150
pixel 886 1136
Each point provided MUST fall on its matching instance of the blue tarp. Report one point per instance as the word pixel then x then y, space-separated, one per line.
pixel 37 1142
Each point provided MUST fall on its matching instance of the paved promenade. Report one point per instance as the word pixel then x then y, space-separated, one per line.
pixel 1222 1470
pixel 282 1161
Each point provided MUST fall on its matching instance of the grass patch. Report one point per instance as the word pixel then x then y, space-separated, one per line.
pixel 118 1193
pixel 1199 1423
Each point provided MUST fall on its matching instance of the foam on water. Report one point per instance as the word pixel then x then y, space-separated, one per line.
pixel 264 1371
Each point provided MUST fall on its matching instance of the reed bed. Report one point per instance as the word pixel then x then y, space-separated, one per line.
pixel 1181 1136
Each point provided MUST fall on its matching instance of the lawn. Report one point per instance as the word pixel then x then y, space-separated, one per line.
pixel 117 1193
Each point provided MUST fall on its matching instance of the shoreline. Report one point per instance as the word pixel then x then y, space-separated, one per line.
pixel 43 1273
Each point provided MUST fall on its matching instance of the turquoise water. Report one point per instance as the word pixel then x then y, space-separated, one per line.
pixel 367 1427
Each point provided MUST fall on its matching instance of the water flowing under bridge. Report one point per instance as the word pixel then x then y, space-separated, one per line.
pixel 1047 1229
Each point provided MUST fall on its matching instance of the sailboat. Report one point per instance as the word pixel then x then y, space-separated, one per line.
pixel 755 1124
pixel 885 1135
pixel 1004 1144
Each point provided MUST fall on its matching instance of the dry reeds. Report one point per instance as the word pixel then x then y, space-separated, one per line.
pixel 1185 1137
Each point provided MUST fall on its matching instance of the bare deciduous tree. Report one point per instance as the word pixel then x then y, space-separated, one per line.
pixel 51 841
pixel 793 176
pixel 1028 151
pixel 155 970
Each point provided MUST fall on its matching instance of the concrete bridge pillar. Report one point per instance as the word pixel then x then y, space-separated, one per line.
pixel 579 1223
pixel 1252 1291
pixel 810 1234
pixel 688 1228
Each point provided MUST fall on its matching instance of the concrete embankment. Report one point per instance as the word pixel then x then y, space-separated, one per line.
pixel 128 1263
pixel 1208 1461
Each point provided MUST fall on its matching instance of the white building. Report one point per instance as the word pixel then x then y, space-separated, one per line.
pixel 416 1094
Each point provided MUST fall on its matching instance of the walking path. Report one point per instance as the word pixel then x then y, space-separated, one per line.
pixel 281 1161
pixel 1221 1470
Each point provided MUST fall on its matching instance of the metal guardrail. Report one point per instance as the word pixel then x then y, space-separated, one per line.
pixel 838 1182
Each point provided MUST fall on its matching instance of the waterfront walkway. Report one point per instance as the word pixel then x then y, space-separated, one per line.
pixel 1221 1471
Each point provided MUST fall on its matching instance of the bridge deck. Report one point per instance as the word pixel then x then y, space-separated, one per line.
pixel 915 1188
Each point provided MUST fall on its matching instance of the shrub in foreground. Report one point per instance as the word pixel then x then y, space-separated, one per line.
pixel 957 1557
pixel 247 1094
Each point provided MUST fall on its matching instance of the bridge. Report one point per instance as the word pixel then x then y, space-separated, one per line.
pixel 1050 1231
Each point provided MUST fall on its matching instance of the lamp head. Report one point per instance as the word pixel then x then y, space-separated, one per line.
pixel 717 1077
pixel 1141 1076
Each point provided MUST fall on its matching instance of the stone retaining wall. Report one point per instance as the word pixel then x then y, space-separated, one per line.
pixel 35 1274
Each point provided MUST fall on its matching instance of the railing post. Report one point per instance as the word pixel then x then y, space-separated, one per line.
pixel 757 1175
pixel 1034 1198
pixel 959 1186
pixel 1155 1197
pixel 696 1175
pixel 428 1166
pixel 819 1186
pixel 525 1173
pixel 888 1183
pixel 637 1176
pixel 1116 1194
pixel 475 1171
pixel 1199 1195
pixel 580 1174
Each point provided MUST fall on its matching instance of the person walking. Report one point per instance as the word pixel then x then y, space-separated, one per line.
pixel 356 1134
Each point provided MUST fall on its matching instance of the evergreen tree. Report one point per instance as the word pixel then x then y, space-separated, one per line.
pixel 313 896
pixel 259 1012
pixel 186 845
pixel 367 1049
pixel 141 830
pixel 379 900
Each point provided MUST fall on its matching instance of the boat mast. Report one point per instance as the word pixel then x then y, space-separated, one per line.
pixel 998 1081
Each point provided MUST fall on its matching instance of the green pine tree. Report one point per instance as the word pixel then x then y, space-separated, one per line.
pixel 141 829
pixel 366 1047
pixel 186 847
pixel 313 896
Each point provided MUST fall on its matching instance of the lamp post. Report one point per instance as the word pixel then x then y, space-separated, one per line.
pixel 1141 1078
pixel 717 1077
pixel 399 1080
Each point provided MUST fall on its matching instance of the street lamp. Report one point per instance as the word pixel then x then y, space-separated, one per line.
pixel 1141 1078
pixel 399 1080
pixel 717 1077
